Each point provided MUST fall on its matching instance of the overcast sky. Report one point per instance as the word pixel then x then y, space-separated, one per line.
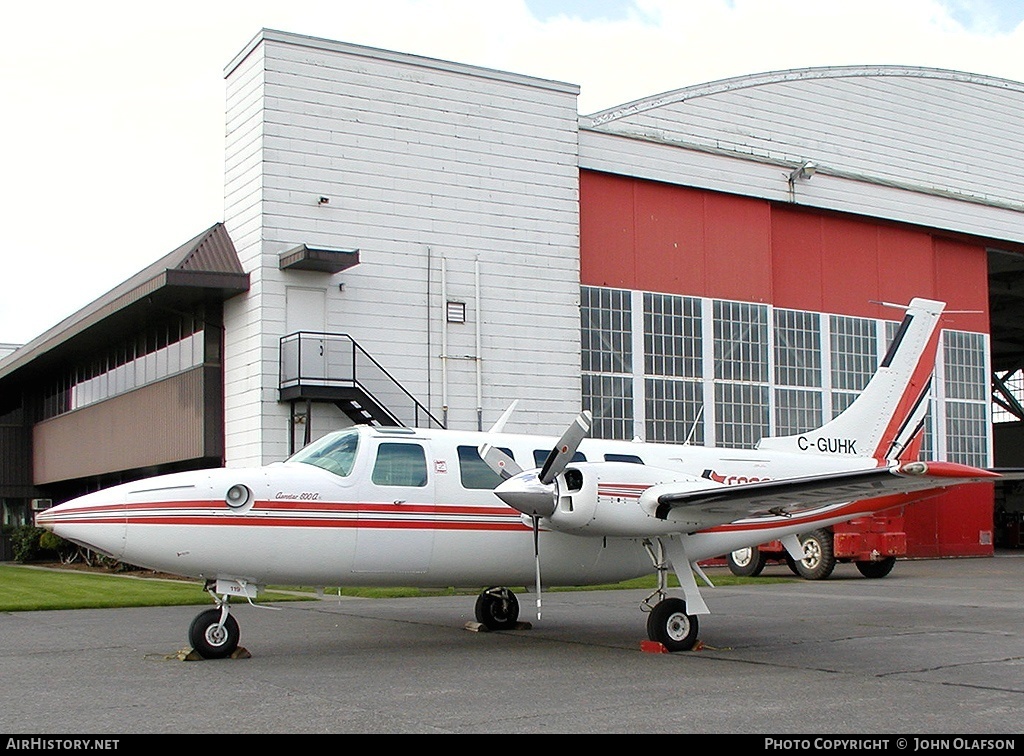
pixel 112 120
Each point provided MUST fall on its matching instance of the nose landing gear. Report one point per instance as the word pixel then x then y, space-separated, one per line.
pixel 214 632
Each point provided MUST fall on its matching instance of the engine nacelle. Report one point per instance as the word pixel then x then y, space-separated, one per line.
pixel 616 499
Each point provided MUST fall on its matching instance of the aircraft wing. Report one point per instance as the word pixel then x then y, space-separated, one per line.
pixel 792 495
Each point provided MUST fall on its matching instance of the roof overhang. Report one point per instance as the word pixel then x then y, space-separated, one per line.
pixel 320 259
pixel 204 269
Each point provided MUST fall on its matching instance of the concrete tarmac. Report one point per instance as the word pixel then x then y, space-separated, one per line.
pixel 935 648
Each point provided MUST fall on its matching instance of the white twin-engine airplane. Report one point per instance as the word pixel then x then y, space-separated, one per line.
pixel 371 506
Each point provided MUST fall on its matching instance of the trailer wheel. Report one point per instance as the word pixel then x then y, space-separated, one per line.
pixel 877 569
pixel 747 562
pixel 819 556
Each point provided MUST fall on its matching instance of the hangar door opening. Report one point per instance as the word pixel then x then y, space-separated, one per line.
pixel 1006 308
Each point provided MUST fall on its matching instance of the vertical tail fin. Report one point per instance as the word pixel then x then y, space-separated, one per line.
pixel 885 420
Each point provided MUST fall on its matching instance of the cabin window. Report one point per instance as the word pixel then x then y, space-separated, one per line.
pixel 335 452
pixel 400 465
pixel 474 472
pixel 630 458
pixel 540 456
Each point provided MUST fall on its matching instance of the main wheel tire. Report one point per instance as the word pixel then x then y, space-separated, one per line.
pixel 209 639
pixel 497 609
pixel 747 562
pixel 670 625
pixel 878 569
pixel 819 555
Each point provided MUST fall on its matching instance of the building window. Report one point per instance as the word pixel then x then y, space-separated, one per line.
pixel 854 358
pixel 966 433
pixel 965 368
pixel 606 323
pixel 610 399
pixel 729 373
pixel 741 373
pixel 797 348
pixel 607 330
pixel 964 362
pixel 162 350
pixel 673 369
pixel 675 411
pixel 798 374
pixel 797 411
pixel 741 341
pixel 741 414
pixel 672 336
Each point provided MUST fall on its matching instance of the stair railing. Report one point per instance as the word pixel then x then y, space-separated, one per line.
pixel 336 360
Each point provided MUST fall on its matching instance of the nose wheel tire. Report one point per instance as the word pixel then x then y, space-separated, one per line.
pixel 211 640
pixel 670 625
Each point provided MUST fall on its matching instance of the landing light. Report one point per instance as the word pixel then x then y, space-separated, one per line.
pixel 238 496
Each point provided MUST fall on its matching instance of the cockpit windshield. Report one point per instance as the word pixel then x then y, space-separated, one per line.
pixel 335 452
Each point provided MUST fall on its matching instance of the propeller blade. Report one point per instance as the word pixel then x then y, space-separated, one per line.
pixel 536 557
pixel 495 458
pixel 566 448
pixel 499 424
pixel 499 461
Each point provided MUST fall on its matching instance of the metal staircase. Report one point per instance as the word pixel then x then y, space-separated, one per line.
pixel 333 367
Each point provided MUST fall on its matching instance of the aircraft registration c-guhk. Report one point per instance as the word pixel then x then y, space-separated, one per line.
pixel 369 506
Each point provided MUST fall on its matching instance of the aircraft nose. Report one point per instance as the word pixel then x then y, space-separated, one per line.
pixel 95 521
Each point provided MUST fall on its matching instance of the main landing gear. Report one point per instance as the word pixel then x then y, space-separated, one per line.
pixel 497 609
pixel 668 622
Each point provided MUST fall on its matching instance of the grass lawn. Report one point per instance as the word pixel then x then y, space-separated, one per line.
pixel 26 588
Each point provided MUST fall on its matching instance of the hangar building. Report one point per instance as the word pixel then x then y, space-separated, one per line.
pixel 420 242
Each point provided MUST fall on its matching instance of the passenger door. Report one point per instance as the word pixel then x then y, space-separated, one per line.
pixel 397 516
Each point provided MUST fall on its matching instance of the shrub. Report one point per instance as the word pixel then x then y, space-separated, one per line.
pixel 25 542
pixel 65 550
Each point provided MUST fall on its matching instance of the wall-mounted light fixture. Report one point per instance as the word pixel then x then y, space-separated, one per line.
pixel 805 171
pixel 323 201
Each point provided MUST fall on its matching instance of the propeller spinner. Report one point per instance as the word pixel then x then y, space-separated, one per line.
pixel 530 492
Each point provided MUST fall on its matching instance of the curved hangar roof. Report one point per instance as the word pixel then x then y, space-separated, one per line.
pixel 944 135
